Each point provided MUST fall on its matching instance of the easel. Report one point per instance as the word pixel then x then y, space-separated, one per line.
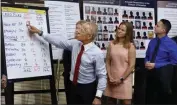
pixel 9 91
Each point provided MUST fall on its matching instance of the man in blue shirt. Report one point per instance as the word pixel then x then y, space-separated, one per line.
pixel 166 55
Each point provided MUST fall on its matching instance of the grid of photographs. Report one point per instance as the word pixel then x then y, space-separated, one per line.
pixel 143 23
pixel 107 19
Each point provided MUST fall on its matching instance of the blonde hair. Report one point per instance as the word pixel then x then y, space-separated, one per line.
pixel 80 22
pixel 88 28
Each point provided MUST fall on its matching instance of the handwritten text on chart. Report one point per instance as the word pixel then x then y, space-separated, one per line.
pixel 25 54
pixel 11 14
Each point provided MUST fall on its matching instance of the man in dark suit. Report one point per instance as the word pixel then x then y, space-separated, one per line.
pixel 175 38
pixel 3 79
pixel 66 73
pixel 3 73
pixel 174 83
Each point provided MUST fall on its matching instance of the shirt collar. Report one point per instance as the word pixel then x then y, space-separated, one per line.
pixel 87 46
pixel 162 38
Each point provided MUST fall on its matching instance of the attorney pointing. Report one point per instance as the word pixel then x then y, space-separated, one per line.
pixel 88 72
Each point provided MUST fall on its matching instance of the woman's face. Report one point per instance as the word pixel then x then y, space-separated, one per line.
pixel 121 31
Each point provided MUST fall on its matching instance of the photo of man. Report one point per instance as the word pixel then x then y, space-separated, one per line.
pixel 93 18
pixel 99 28
pixel 137 15
pixel 138 36
pixel 150 26
pixel 144 35
pixel 99 37
pixel 88 18
pixel 144 15
pixel 99 20
pixel 104 11
pixel 111 37
pixel 105 29
pixel 131 16
pixel 104 20
pixel 111 28
pixel 116 21
pixel 103 47
pixel 142 47
pixel 137 46
pixel 106 37
pixel 93 10
pixel 116 12
pixel 150 16
pixel 87 9
pixel 110 11
pixel 110 20
pixel 138 24
pixel 99 11
pixel 124 14
pixel 144 26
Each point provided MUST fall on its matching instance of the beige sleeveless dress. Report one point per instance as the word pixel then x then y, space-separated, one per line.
pixel 119 64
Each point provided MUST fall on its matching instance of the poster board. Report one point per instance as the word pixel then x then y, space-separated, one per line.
pixel 141 14
pixel 25 57
pixel 110 14
pixel 63 16
pixel 168 10
pixel 106 15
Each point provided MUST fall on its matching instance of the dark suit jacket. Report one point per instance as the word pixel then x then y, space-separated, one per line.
pixel 175 39
pixel 174 84
pixel 2 59
pixel 66 73
pixel 67 62
pixel 67 66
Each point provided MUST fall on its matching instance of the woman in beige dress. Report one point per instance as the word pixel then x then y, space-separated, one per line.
pixel 120 62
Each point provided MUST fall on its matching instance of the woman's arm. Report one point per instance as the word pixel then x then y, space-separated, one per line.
pixel 108 62
pixel 131 61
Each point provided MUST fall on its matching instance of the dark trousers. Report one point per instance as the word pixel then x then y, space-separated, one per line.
pixel 174 86
pixel 67 84
pixel 82 93
pixel 154 92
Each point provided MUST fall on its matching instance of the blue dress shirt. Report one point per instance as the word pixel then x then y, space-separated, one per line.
pixel 167 52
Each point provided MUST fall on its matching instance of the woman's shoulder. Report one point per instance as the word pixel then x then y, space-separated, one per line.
pixel 131 44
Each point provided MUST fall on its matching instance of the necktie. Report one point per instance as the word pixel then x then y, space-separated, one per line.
pixel 155 51
pixel 78 62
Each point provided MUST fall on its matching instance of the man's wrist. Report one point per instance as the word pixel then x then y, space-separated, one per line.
pixel 40 33
pixel 99 93
pixel 98 97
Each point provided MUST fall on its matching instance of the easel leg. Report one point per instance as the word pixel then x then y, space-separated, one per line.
pixel 53 91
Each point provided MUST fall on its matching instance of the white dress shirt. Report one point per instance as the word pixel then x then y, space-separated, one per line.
pixel 92 61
